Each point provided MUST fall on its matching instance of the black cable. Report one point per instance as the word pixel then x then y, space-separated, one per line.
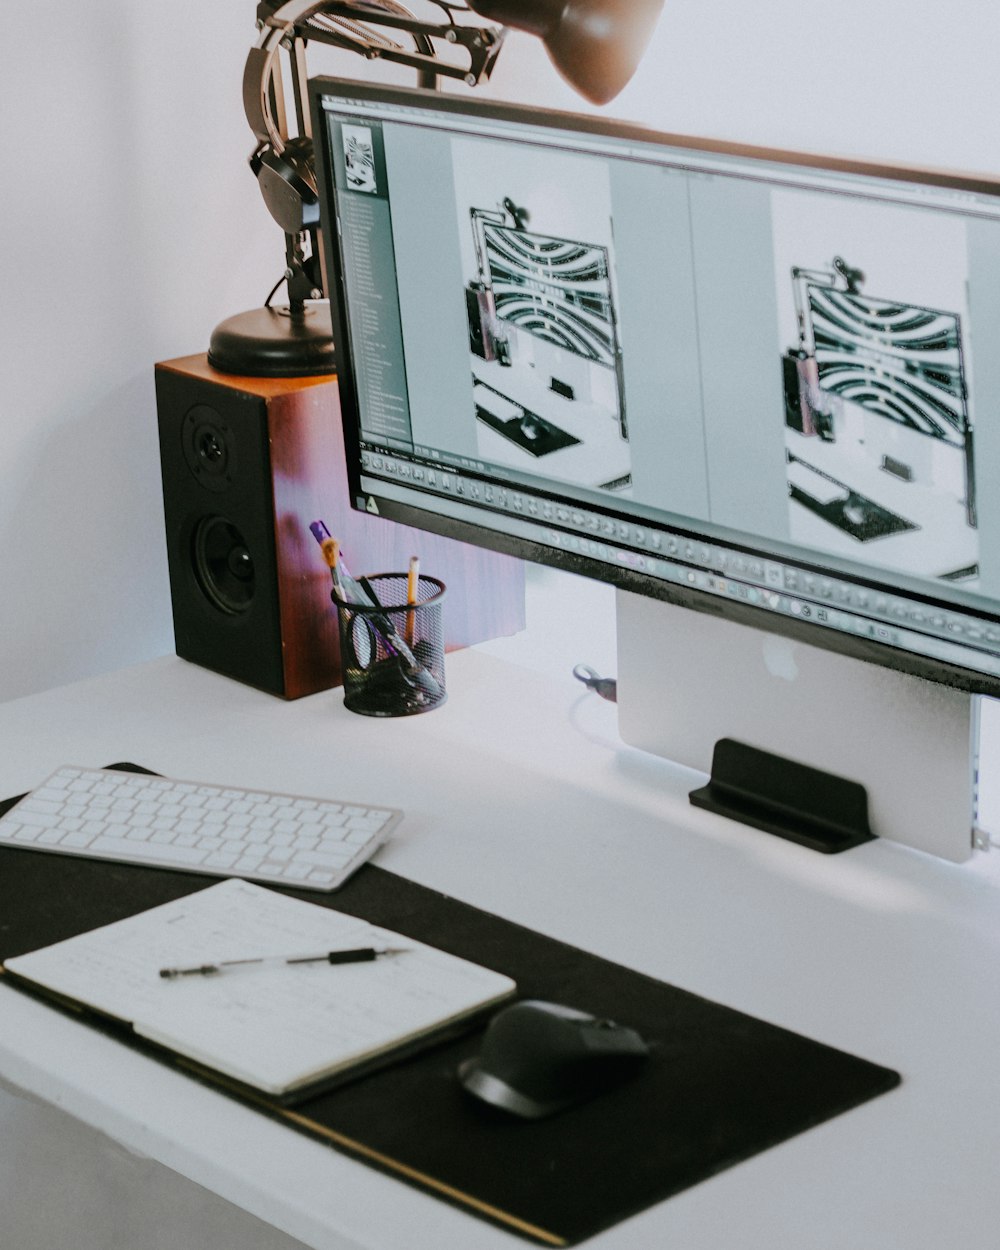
pixel 606 687
pixel 274 291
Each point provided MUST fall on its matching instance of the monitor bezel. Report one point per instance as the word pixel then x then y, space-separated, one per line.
pixel 624 578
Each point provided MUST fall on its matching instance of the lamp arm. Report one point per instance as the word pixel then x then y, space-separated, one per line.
pixel 343 25
pixel 481 44
pixel 302 277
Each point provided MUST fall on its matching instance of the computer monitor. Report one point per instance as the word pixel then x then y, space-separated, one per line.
pixel 741 385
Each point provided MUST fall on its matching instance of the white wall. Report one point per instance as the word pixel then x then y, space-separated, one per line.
pixel 131 226
pixel 902 80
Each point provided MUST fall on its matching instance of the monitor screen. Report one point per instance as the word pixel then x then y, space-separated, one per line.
pixel 743 381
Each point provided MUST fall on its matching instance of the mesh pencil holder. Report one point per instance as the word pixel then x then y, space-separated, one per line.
pixel 392 654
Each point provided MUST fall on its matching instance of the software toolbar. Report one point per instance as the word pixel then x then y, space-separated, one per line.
pixel 776 586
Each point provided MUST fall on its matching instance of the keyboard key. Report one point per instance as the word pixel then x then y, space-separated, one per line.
pixel 39 820
pixel 220 860
pixel 330 847
pixel 297 872
pixel 169 853
pixel 322 859
pixel 46 806
pixel 76 839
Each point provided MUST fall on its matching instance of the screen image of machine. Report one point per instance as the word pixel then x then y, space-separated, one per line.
pixel 879 439
pixel 732 380
pixel 543 334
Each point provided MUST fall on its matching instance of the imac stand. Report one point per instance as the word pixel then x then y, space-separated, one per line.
pixel 688 681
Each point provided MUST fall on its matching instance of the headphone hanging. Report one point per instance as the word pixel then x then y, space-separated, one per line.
pixel 284 167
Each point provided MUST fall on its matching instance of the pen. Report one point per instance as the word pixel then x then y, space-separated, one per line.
pixel 357 955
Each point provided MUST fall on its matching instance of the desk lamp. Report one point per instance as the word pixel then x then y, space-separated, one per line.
pixel 595 45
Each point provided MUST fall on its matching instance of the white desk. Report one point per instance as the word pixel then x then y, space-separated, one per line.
pixel 521 799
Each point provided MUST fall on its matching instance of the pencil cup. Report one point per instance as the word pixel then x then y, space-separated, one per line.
pixel 392 651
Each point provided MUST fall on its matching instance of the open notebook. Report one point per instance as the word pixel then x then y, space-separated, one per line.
pixel 279 1028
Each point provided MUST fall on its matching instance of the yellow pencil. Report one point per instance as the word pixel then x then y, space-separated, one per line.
pixel 412 581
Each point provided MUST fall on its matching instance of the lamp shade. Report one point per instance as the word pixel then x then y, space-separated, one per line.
pixel 595 44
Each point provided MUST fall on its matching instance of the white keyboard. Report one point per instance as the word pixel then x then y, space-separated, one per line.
pixel 157 822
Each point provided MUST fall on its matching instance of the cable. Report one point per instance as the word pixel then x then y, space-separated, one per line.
pixel 606 687
pixel 274 290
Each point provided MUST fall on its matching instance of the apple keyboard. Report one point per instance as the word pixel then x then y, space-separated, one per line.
pixel 157 822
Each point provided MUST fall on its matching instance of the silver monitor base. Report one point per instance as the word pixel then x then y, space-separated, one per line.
pixel 687 679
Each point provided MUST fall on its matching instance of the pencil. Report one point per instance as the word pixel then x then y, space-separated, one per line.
pixel 412 581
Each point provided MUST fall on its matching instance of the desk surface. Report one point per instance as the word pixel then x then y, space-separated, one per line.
pixel 520 798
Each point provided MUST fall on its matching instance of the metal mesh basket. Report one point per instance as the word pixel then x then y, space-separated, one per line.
pixel 392 653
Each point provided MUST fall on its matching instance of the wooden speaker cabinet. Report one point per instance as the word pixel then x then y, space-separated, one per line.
pixel 247 464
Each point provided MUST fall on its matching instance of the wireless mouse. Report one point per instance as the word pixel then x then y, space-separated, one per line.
pixel 538 1058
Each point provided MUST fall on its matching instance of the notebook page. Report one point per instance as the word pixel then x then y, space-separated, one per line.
pixel 275 1026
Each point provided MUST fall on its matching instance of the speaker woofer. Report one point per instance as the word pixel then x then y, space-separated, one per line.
pixel 223 565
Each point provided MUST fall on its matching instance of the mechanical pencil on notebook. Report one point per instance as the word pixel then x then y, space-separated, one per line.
pixel 357 955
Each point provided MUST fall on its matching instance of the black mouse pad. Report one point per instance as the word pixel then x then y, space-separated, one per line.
pixel 719 1087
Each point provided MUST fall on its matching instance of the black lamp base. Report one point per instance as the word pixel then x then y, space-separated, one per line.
pixel 275 343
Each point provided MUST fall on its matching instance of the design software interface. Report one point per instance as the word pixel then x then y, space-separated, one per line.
pixel 761 377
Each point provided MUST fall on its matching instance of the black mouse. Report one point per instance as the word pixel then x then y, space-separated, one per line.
pixel 538 1058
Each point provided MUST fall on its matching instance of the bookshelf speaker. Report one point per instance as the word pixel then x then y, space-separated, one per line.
pixel 247 464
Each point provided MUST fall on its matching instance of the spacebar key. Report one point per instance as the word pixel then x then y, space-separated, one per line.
pixel 125 849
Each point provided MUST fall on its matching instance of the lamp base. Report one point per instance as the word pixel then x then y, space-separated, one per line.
pixel 275 343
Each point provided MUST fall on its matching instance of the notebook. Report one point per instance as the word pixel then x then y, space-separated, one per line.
pixel 282 1029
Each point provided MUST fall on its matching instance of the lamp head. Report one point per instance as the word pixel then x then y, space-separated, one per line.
pixel 595 44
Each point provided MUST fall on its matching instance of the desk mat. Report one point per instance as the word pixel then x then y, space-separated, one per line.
pixel 720 1085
